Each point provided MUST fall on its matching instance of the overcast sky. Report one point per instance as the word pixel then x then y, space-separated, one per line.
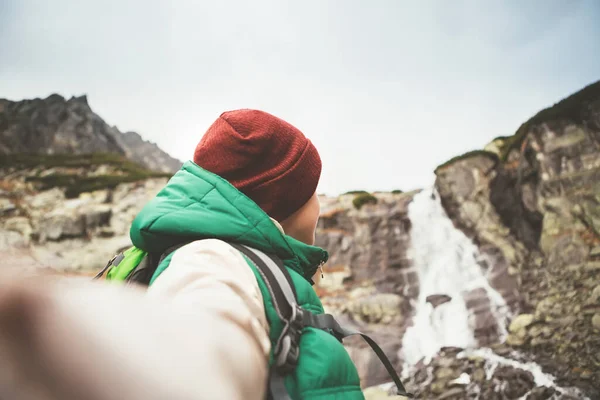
pixel 387 90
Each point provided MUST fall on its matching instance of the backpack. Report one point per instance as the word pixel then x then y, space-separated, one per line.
pixel 136 266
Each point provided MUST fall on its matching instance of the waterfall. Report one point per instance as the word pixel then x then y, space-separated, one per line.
pixel 448 264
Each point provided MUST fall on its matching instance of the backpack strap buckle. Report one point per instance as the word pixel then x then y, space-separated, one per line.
pixel 287 349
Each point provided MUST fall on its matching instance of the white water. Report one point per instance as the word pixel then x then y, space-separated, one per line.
pixel 447 263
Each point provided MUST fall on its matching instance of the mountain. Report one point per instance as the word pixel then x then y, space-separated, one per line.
pixel 55 125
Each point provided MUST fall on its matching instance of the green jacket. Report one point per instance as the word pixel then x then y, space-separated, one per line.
pixel 197 204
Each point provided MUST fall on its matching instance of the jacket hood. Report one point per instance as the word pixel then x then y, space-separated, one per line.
pixel 197 204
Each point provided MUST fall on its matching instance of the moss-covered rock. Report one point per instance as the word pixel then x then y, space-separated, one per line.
pixel 77 173
pixel 363 199
pixel 468 155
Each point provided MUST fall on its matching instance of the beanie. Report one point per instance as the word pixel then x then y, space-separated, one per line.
pixel 264 157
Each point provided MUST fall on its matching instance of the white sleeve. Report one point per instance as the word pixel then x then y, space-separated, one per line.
pixel 210 276
pixel 199 333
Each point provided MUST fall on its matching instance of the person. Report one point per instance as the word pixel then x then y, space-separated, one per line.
pixel 206 326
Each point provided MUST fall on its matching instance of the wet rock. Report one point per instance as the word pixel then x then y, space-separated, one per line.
pixel 520 382
pixel 540 393
pixel 437 300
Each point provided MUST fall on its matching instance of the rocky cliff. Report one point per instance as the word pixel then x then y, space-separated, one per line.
pixel 69 213
pixel 530 203
pixel 55 125
pixel 533 203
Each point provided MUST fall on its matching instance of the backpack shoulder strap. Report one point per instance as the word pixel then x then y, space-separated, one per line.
pixel 145 271
pixel 295 318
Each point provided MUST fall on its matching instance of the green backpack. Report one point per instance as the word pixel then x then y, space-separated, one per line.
pixel 136 266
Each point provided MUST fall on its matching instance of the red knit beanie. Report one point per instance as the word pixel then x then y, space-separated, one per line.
pixel 264 157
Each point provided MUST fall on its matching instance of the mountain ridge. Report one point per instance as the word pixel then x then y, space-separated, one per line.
pixel 56 125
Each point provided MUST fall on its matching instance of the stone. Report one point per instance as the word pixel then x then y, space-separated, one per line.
pixel 540 393
pixel 62 223
pixel 545 306
pixel 98 196
pixel 518 382
pixel 20 225
pixel 514 340
pixel 6 206
pixel 377 393
pixel 46 199
pixel 379 308
pixel 595 251
pixel 596 321
pixel 535 330
pixel 438 387
pixel 479 375
pixel 595 296
pixel 438 299
pixel 521 322
pixel 96 215
pixel 446 373
pixel 10 240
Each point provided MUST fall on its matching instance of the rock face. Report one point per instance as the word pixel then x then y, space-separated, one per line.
pixel 369 244
pixel 533 207
pixel 58 126
pixel 369 280
pixel 44 229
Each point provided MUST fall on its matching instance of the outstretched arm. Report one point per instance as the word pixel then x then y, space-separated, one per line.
pixel 194 335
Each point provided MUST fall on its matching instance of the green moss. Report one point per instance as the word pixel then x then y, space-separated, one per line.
pixel 362 199
pixel 469 154
pixel 355 192
pixel 27 161
pixel 572 108
pixel 397 191
pixel 75 184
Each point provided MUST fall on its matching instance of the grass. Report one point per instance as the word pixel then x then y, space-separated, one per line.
pixel 75 184
pixel 362 199
pixel 28 161
pixel 469 154
pixel 355 192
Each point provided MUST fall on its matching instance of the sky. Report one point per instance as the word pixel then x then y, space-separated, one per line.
pixel 387 90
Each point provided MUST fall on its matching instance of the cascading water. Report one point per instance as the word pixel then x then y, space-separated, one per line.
pixel 447 263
